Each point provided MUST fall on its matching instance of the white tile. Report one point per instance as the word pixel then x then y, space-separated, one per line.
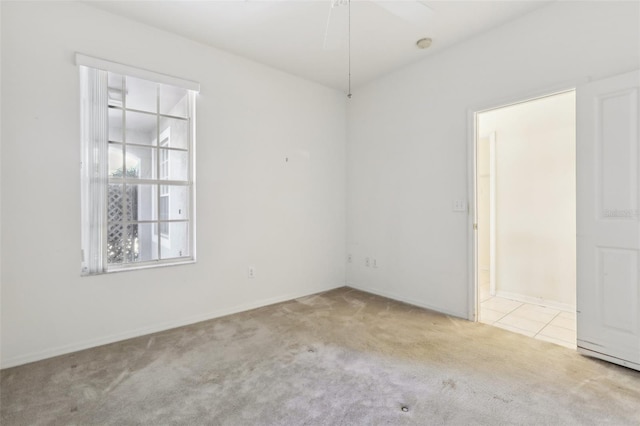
pixel 556 341
pixel 501 305
pixel 560 321
pixel 531 326
pixel 489 316
pixel 570 315
pixel 548 324
pixel 514 329
pixel 559 333
pixel 540 309
pixel 535 313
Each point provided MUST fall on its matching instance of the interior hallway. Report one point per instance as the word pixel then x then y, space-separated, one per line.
pixel 342 357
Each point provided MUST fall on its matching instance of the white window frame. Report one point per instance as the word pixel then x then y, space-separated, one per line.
pixel 94 177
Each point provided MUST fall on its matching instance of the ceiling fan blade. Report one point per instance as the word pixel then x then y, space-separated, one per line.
pixel 409 10
pixel 337 23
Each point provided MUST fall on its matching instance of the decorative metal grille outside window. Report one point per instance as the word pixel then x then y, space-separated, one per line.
pixel 138 189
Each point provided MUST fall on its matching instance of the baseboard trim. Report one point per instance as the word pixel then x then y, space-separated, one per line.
pixel 393 296
pixel 92 343
pixel 536 301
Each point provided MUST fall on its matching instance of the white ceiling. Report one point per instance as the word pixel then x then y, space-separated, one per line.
pixel 289 34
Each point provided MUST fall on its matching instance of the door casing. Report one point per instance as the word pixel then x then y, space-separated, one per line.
pixel 472 132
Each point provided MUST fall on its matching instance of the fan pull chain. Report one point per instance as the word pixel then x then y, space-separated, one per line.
pixel 349 95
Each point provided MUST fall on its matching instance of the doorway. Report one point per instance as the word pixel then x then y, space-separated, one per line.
pixel 525 183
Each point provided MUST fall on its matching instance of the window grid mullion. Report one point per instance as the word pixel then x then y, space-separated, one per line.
pixel 169 148
pixel 124 169
pixel 133 222
pixel 105 224
pixel 152 182
pixel 158 171
pixel 149 113
pixel 191 172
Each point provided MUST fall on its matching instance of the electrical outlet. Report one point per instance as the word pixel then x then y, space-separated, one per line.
pixel 459 206
pixel 367 262
pixel 251 273
pixel 349 258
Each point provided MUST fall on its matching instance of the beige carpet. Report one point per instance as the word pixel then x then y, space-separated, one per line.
pixel 339 358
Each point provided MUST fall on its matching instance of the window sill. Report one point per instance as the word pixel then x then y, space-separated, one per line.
pixel 145 265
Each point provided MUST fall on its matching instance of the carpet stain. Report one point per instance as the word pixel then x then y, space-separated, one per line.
pixel 499 398
pixel 449 384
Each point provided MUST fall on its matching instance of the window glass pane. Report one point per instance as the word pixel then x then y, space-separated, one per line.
pixel 164 207
pixel 129 242
pixel 173 101
pixel 164 227
pixel 131 202
pixel 141 162
pixel 115 204
pixel 114 89
pixel 115 125
pixel 141 95
pixel 144 242
pixel 141 128
pixel 174 202
pixel 115 160
pixel 174 165
pixel 141 202
pixel 177 242
pixel 174 133
pixel 115 243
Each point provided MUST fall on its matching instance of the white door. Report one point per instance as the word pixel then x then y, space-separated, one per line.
pixel 608 238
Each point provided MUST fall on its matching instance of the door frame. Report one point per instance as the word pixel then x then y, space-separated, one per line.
pixel 472 137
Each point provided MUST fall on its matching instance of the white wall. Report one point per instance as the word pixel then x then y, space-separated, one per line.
pixel 409 131
pixel 287 219
pixel 535 162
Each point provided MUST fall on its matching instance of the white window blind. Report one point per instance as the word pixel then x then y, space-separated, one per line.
pixel 94 131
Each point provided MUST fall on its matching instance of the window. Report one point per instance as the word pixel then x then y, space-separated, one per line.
pixel 138 192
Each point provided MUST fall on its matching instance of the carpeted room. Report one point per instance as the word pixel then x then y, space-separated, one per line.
pixel 292 177
pixel 342 357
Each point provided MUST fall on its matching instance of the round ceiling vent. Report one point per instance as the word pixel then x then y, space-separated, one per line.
pixel 424 43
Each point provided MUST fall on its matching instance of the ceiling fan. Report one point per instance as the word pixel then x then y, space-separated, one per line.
pixel 338 20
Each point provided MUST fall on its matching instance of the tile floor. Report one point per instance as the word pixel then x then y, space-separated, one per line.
pixel 540 322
